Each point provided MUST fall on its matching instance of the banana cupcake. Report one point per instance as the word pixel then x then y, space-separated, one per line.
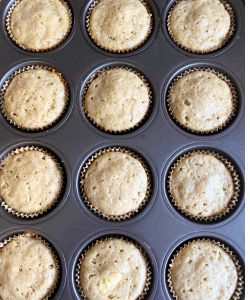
pixel 203 270
pixel 201 26
pixel 118 25
pixel 201 101
pixel 29 269
pixel 115 184
pixel 35 98
pixel 117 100
pixel 30 182
pixel 202 186
pixel 39 25
pixel 113 269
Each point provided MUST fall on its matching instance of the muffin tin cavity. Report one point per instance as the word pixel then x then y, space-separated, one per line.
pixel 133 167
pixel 106 96
pixel 148 8
pixel 216 251
pixel 189 171
pixel 51 162
pixel 117 244
pixel 36 245
pixel 181 92
pixel 34 92
pixel 46 19
pixel 230 38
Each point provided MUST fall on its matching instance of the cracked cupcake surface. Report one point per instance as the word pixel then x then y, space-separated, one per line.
pixel 201 101
pixel 203 270
pixel 113 269
pixel 118 25
pixel 200 25
pixel 117 100
pixel 201 185
pixel 35 99
pixel 28 269
pixel 115 183
pixel 30 181
pixel 40 25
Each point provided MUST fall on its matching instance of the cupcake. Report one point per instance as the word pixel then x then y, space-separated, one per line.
pixel 35 98
pixel 30 182
pixel 115 184
pixel 29 268
pixel 201 26
pixel 117 100
pixel 202 101
pixel 113 269
pixel 203 269
pixel 39 25
pixel 118 25
pixel 203 185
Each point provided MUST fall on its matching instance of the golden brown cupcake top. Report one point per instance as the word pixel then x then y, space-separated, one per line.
pixel 120 26
pixel 28 269
pixel 113 269
pixel 39 25
pixel 203 270
pixel 115 183
pixel 117 100
pixel 200 25
pixel 30 181
pixel 201 185
pixel 201 101
pixel 35 99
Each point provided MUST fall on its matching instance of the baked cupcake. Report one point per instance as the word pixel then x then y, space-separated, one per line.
pixel 201 26
pixel 203 269
pixel 29 268
pixel 35 98
pixel 202 101
pixel 115 184
pixel 39 25
pixel 113 269
pixel 117 100
pixel 203 185
pixel 118 25
pixel 30 182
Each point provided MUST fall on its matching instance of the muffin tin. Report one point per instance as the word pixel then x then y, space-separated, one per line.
pixel 159 228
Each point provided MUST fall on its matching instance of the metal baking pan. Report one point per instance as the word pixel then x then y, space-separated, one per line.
pixel 159 228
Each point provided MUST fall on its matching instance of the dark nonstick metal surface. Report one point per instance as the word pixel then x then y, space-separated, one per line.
pixel 159 228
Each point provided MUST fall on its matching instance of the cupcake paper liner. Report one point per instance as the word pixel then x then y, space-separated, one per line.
pixel 235 102
pixel 96 75
pixel 8 27
pixel 233 201
pixel 103 239
pixel 14 212
pixel 128 215
pixel 53 251
pixel 240 282
pixel 87 24
pixel 24 69
pixel 231 32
